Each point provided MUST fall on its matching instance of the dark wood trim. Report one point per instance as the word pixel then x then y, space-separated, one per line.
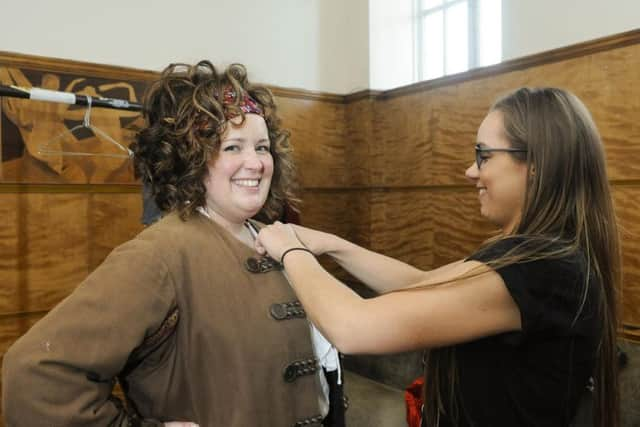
pixel 20 314
pixel 137 188
pixel 389 188
pixel 43 63
pixel 363 94
pixel 630 333
pixel 632 339
pixel 427 187
pixel 624 182
pixel 307 94
pixel 70 188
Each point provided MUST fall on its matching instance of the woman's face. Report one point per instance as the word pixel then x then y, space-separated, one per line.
pixel 501 179
pixel 239 178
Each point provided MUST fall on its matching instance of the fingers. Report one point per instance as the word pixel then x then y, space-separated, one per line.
pixel 258 246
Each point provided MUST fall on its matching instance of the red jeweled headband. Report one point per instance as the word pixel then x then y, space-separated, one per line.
pixel 247 104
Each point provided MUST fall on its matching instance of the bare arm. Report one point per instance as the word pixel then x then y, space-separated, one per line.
pixel 379 272
pixel 463 310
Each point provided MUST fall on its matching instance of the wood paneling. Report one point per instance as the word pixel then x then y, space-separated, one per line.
pixel 335 212
pixel 614 100
pixel 404 141
pixel 330 211
pixel 627 201
pixel 114 219
pixel 50 242
pixel 45 241
pixel 457 115
pixel 458 227
pixel 317 135
pixel 361 141
pixel 402 225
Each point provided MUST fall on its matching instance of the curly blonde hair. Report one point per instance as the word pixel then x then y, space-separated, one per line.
pixel 185 117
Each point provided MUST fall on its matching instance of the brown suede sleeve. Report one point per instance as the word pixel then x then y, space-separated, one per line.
pixel 60 373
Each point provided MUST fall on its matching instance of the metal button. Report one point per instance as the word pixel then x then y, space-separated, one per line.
pixel 290 374
pixel 252 265
pixel 278 311
pixel 299 368
pixel 263 264
pixel 287 310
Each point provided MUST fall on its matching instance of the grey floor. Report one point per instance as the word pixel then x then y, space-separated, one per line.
pixel 372 404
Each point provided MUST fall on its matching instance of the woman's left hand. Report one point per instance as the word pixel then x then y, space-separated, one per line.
pixel 276 238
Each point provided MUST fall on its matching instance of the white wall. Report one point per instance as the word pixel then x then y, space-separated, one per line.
pixel 532 26
pixel 310 44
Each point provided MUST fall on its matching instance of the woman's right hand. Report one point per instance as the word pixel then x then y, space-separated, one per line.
pixel 180 424
pixel 316 241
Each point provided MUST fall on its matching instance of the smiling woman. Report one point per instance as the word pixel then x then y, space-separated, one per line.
pixel 500 174
pixel 239 176
pixel 194 325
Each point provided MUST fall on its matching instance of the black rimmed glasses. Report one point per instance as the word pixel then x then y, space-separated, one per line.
pixel 480 150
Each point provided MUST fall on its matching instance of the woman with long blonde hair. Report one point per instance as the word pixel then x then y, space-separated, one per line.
pixel 518 332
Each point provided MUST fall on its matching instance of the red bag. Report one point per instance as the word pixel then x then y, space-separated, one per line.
pixel 413 402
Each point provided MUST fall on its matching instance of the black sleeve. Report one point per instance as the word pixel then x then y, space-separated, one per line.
pixel 550 293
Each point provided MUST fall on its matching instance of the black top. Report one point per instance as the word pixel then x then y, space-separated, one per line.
pixel 536 376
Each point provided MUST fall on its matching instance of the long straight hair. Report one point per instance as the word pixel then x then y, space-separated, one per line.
pixel 567 210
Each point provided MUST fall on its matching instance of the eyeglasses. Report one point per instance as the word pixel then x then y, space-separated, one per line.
pixel 480 149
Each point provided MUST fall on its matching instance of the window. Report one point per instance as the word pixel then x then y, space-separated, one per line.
pixel 456 35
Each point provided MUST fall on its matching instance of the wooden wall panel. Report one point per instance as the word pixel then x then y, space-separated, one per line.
pixel 627 200
pixel 614 101
pixel 458 228
pixel 114 219
pixel 317 135
pixel 403 141
pixel 360 141
pixel 457 115
pixel 327 210
pixel 402 226
pixel 50 242
pixel 47 237
pixel 332 212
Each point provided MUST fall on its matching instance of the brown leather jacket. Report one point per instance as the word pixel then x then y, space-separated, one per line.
pixel 240 354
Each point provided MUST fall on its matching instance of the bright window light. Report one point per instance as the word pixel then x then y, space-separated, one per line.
pixel 489 32
pixel 433 45
pixel 455 35
pixel 430 4
pixel 457 38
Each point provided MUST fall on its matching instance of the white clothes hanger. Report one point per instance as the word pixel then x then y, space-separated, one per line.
pixel 86 124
